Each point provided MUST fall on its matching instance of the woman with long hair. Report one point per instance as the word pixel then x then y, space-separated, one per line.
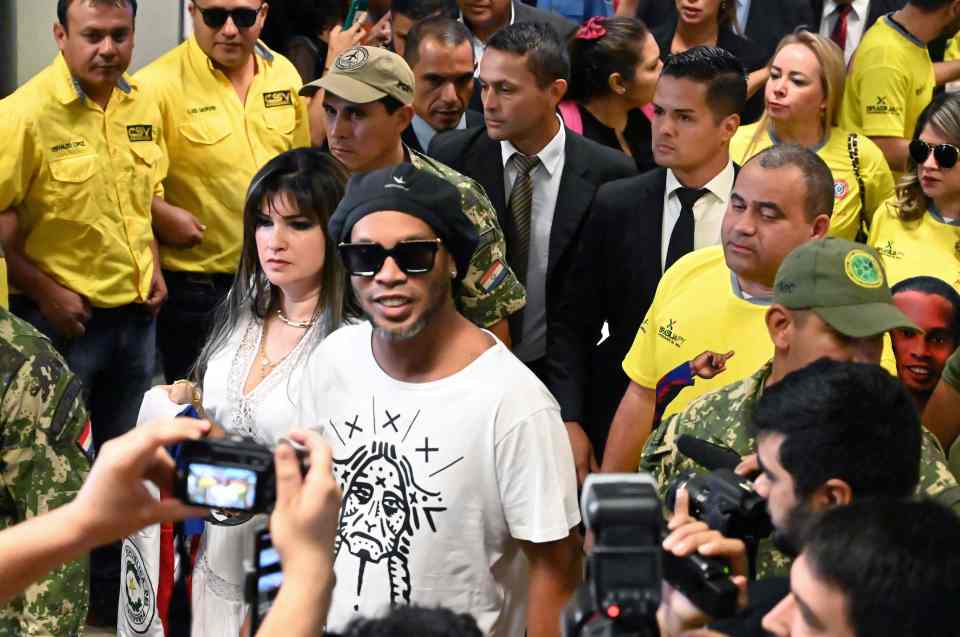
pixel 917 232
pixel 803 98
pixel 288 295
pixel 615 64
pixel 714 23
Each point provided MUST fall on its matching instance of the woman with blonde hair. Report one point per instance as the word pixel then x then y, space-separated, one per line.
pixel 803 98
pixel 918 231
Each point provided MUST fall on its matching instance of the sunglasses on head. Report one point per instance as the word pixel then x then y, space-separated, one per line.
pixel 945 154
pixel 412 257
pixel 216 17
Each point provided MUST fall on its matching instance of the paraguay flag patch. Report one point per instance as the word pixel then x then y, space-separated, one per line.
pixel 494 276
pixel 85 440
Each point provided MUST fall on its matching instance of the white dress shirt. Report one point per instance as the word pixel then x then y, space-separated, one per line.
pixel 708 211
pixel 856 20
pixel 743 13
pixel 546 186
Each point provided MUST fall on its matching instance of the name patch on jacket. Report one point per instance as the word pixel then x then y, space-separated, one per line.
pixel 140 132
pixel 277 98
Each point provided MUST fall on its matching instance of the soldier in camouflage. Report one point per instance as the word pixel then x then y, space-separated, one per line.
pixel 378 86
pixel 45 436
pixel 831 299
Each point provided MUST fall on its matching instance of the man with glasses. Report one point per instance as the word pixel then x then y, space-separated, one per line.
pixel 229 105
pixel 458 479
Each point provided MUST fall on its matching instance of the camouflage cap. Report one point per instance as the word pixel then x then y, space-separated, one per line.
pixel 364 74
pixel 843 283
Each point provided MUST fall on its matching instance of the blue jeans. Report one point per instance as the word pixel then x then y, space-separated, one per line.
pixel 115 361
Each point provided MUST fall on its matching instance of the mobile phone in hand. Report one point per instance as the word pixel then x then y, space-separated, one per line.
pixel 356 6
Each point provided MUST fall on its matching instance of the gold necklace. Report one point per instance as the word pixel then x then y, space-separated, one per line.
pixel 291 323
pixel 266 365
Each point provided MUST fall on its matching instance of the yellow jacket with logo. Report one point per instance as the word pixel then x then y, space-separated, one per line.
pixel 216 143
pixel 82 180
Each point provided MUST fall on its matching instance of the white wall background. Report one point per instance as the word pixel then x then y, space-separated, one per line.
pixel 158 30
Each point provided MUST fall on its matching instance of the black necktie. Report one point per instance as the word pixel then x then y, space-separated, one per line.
pixel 521 204
pixel 681 240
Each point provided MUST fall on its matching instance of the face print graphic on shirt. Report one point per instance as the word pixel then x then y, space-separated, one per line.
pixel 383 507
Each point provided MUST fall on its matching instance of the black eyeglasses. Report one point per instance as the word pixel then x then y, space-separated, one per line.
pixel 366 259
pixel 216 17
pixel 945 154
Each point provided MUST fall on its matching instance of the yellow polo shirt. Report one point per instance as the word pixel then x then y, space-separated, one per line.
pixel 890 81
pixel 216 143
pixel 835 152
pixel 698 307
pixel 82 180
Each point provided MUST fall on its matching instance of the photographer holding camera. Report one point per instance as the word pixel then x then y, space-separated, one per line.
pixel 830 300
pixel 827 435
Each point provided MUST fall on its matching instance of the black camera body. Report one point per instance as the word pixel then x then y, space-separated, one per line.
pixel 726 502
pixel 627 565
pixel 233 474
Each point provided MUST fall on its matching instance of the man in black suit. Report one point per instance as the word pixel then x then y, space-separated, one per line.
pixel 483 18
pixel 540 176
pixel 440 54
pixel 638 227
pixel 830 16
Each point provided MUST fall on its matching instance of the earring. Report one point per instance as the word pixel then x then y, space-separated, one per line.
pixel 453 274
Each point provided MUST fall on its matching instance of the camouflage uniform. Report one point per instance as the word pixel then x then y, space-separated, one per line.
pixel 490 290
pixel 721 417
pixel 41 468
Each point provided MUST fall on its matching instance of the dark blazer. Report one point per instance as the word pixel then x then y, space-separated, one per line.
pixel 587 165
pixel 612 279
pixel 769 20
pixel 526 13
pixel 409 137
pixel 878 8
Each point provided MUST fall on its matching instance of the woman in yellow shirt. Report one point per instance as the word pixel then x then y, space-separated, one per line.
pixel 803 98
pixel 918 231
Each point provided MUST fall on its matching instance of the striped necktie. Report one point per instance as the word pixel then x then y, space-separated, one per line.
pixel 521 205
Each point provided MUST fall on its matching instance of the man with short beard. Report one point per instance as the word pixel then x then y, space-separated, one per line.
pixel 458 479
pixel 829 434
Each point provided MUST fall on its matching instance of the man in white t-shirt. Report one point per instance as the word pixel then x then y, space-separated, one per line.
pixel 457 475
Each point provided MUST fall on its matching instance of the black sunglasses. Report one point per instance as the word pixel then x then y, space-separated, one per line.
pixel 945 154
pixel 216 17
pixel 366 259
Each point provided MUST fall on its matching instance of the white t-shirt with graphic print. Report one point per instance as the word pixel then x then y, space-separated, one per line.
pixel 439 481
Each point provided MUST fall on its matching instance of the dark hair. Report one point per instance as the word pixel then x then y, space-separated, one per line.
pixel 592 62
pixel 936 287
pixel 929 5
pixel 816 174
pixel 317 182
pixel 441 28
pixel 547 58
pixel 415 621
pixel 849 421
pixel 64 5
pixel 391 103
pixel 896 562
pixel 420 9
pixel 719 69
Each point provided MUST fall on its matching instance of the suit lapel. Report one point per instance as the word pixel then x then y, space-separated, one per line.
pixel 573 199
pixel 485 164
pixel 654 200
pixel 409 138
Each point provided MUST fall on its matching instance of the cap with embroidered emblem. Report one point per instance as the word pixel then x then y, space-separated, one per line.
pixel 364 74
pixel 843 283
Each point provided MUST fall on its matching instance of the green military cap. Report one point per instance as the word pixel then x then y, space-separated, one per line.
pixel 843 283
pixel 364 74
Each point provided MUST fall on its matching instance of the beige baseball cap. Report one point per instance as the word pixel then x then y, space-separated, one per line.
pixel 364 74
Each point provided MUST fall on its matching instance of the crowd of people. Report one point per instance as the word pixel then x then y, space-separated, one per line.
pixel 467 253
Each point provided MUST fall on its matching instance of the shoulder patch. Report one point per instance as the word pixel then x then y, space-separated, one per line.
pixel 64 407
pixel 494 276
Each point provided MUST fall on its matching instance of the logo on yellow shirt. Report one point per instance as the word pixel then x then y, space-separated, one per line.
pixel 668 333
pixel 889 251
pixel 69 148
pixel 140 133
pixel 863 269
pixel 840 189
pixel 277 98
pixel 880 107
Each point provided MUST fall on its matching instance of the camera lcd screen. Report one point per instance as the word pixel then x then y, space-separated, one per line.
pixel 221 487
pixel 627 571
pixel 269 575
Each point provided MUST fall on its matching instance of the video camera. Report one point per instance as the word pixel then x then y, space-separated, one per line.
pixel 627 564
pixel 232 474
pixel 726 502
